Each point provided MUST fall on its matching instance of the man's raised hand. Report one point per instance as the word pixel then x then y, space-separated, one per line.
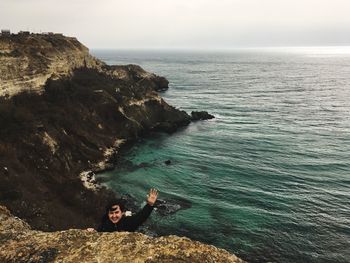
pixel 152 196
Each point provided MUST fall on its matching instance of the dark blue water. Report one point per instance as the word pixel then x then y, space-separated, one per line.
pixel 269 177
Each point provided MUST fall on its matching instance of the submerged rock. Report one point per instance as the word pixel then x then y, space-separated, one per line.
pixel 171 206
pixel 18 243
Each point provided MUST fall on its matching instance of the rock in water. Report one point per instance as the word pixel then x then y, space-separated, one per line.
pixel 201 115
pixel 171 206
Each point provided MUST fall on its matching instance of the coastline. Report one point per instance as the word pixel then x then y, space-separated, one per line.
pixel 108 163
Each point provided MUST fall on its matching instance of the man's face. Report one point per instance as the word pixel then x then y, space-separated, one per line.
pixel 115 214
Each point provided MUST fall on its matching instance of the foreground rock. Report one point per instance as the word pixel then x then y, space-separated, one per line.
pixel 18 243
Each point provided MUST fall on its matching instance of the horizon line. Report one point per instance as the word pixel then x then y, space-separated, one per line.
pixel 220 48
pixel 312 50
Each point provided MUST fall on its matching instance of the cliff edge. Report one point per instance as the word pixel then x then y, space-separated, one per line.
pixel 18 243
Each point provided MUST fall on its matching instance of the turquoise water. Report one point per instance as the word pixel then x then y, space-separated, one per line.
pixel 268 179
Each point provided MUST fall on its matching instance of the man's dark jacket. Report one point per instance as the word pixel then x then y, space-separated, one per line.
pixel 126 223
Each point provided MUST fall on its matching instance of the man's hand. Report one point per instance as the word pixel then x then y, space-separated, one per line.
pixel 152 196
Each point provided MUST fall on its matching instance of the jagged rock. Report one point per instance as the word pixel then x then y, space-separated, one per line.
pixel 18 243
pixel 201 115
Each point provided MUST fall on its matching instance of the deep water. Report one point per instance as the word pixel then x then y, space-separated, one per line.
pixel 269 177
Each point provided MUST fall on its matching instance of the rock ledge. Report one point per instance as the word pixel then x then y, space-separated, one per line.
pixel 18 243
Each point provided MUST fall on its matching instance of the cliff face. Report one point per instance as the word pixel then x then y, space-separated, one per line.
pixel 65 117
pixel 18 243
pixel 27 61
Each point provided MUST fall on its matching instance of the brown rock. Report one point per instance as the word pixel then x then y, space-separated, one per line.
pixel 20 244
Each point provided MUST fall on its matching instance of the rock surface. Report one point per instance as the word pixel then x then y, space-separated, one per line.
pixel 18 243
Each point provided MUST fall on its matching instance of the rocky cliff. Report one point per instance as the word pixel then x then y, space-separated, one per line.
pixel 18 243
pixel 64 116
pixel 27 61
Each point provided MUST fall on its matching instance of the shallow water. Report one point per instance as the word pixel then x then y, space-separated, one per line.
pixel 269 177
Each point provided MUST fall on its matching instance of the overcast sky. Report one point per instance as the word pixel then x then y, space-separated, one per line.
pixel 185 23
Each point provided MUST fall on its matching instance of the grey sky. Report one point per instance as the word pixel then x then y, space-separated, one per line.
pixel 185 23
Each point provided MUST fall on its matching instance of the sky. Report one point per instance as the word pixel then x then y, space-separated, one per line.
pixel 212 24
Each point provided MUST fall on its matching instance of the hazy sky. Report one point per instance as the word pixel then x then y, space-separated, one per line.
pixel 185 23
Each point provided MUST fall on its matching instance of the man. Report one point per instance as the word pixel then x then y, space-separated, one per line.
pixel 115 219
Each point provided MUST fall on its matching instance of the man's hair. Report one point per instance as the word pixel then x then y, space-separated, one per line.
pixel 118 202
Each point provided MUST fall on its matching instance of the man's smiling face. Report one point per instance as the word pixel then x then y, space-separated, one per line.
pixel 115 214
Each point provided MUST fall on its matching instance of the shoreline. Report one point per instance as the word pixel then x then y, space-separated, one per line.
pixel 107 164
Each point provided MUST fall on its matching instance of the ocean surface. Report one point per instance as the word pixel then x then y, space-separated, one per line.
pixel 269 178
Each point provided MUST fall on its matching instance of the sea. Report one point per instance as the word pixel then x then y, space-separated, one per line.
pixel 269 178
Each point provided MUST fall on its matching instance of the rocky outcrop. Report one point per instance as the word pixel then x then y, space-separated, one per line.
pixel 28 61
pixel 136 74
pixel 18 243
pixel 201 115
pixel 82 111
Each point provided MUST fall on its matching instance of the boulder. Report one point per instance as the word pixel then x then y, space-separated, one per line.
pixel 201 115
